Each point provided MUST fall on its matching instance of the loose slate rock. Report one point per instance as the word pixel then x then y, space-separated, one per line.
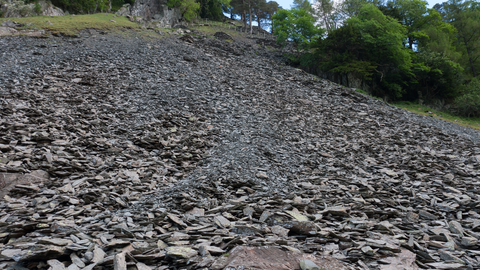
pixel 134 145
pixel 180 252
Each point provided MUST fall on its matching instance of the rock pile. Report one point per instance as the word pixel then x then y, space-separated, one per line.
pixel 123 152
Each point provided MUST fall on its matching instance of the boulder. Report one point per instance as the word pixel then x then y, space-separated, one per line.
pixel 17 8
pixel 50 10
pixel 149 10
pixel 7 31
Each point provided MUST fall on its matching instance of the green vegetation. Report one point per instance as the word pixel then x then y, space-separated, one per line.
pixel 82 6
pixel 249 11
pixel 189 8
pixel 403 50
pixel 37 8
pixel 369 45
pixel 471 122
pixel 297 25
pixel 426 110
pixel 117 4
pixel 468 102
pixel 72 24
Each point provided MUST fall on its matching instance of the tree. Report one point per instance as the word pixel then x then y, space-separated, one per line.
pixel 297 25
pixel 302 4
pixel 188 8
pixel 439 36
pixel 324 12
pixel 212 9
pixel 412 14
pixel 370 46
pixel 351 8
pixel 468 103
pixel 437 76
pixel 270 10
pixel 259 8
pixel 465 16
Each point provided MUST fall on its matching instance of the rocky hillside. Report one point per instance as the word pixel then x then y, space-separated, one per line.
pixel 195 152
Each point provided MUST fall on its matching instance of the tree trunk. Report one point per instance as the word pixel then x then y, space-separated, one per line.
pixel 244 15
pixel 258 20
pixel 250 15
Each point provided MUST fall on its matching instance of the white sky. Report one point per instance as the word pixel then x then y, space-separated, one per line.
pixel 287 3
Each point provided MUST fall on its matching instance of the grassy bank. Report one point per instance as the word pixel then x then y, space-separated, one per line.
pixel 425 110
pixel 71 25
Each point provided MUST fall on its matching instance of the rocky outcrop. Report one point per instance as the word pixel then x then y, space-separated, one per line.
pixel 18 8
pixel 151 10
pixel 8 29
pixel 50 10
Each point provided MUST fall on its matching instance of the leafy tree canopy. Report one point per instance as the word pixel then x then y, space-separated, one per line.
pixel 371 46
pixel 297 25
pixel 189 8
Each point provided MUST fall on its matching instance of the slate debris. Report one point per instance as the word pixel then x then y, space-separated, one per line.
pixel 120 152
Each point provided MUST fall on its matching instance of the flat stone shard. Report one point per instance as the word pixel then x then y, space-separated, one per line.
pixel 275 259
pixel 222 222
pixel 456 227
pixel 405 260
pixel 119 262
pixel 56 265
pixel 308 265
pixel 180 252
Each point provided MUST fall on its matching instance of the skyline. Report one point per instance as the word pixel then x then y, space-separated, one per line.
pixel 286 4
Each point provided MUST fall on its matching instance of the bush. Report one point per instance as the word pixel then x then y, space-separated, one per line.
pixel 37 8
pixel 468 104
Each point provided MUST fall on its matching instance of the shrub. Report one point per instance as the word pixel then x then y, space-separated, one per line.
pixel 37 8
pixel 468 104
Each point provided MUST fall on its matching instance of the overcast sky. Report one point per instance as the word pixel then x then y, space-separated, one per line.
pixel 287 3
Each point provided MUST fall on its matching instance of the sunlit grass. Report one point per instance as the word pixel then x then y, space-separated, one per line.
pixel 425 110
pixel 70 25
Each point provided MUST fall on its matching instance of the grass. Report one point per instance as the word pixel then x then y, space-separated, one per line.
pixel 365 93
pixel 425 110
pixel 71 25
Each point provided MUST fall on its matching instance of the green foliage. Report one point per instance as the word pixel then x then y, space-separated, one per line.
pixel 189 8
pixel 297 25
pixel 351 8
pixel 117 4
pixel 439 36
pixel 410 13
pixel 212 9
pixel 370 45
pixel 437 76
pixel 37 8
pixel 82 6
pixel 327 14
pixel 302 4
pixel 465 17
pixel 468 103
